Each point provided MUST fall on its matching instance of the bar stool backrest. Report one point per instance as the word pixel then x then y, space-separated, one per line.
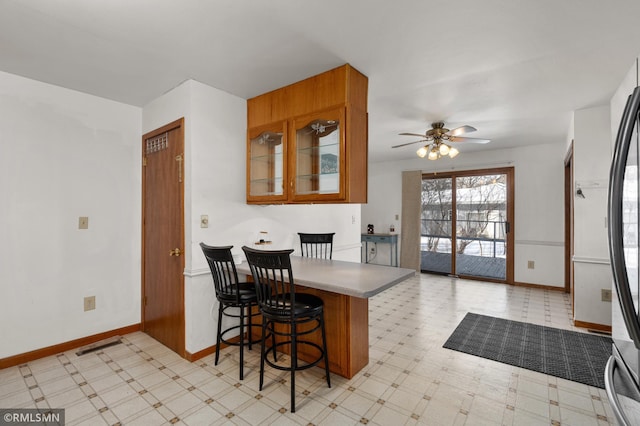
pixel 271 271
pixel 223 270
pixel 317 245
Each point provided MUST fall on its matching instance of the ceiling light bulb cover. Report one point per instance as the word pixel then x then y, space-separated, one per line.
pixel 444 149
pixel 453 152
pixel 422 152
pixel 433 154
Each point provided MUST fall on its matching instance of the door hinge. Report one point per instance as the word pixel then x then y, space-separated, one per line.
pixel 145 301
pixel 144 161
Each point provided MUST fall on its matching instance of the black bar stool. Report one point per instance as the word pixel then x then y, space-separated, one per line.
pixel 232 295
pixel 317 245
pixel 280 304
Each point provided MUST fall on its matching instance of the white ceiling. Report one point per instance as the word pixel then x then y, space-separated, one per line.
pixel 514 69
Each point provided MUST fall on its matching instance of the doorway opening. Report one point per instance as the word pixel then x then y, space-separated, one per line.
pixel 466 224
pixel 568 225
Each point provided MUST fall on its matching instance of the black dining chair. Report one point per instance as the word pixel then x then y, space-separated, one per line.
pixel 236 299
pixel 301 314
pixel 317 245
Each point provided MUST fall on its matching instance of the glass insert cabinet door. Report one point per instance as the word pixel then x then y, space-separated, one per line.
pixel 319 151
pixel 267 154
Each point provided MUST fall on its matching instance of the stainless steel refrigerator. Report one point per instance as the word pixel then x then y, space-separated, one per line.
pixel 622 380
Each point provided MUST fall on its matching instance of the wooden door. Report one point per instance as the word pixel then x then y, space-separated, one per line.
pixel 163 235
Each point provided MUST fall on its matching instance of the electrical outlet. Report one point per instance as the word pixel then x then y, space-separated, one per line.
pixel 89 303
pixel 606 295
pixel 531 264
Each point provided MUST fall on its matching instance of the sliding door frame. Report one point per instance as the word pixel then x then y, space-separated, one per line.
pixel 509 236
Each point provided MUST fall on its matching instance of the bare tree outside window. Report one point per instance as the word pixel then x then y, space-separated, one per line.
pixel 436 211
pixel 480 203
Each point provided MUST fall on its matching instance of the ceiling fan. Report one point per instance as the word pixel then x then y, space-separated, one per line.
pixel 436 139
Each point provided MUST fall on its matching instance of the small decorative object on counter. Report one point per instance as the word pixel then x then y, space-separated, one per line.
pixel 263 238
pixel 392 228
pixel 369 229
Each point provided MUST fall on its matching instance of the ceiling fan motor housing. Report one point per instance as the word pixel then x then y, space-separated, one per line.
pixel 437 131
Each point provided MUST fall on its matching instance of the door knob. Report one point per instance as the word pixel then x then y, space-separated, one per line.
pixel 175 252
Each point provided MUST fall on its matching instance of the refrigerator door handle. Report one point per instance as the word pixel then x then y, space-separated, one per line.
pixel 609 369
pixel 614 210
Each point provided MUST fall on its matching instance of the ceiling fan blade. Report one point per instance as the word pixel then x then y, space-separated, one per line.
pixel 412 134
pixel 468 140
pixel 461 130
pixel 408 143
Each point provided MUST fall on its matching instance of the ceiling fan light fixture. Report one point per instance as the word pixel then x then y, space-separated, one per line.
pixel 422 152
pixel 433 154
pixel 439 140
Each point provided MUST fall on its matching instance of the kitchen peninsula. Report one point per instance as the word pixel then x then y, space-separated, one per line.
pixel 345 288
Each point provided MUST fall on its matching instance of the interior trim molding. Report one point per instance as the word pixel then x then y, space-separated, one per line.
pixel 192 357
pixel 593 326
pixel 540 286
pixel 466 167
pixel 192 273
pixel 596 260
pixel 347 247
pixel 66 346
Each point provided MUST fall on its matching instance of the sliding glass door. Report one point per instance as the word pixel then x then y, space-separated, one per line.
pixel 436 230
pixel 466 221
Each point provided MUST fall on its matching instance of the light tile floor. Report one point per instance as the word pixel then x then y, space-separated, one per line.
pixel 410 378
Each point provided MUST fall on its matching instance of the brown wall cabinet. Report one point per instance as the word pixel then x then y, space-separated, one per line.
pixel 307 142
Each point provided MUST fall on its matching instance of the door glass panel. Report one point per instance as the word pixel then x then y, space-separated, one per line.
pixel 435 238
pixel 318 157
pixel 481 214
pixel 267 164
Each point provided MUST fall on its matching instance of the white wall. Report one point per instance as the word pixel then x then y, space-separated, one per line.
pixel 215 150
pixel 65 154
pixel 539 220
pixel 592 273
pixel 619 98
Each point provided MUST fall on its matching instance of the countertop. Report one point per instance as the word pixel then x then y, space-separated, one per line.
pixel 362 280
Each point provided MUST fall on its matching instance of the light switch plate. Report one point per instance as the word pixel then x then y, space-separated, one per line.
pixel 83 222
